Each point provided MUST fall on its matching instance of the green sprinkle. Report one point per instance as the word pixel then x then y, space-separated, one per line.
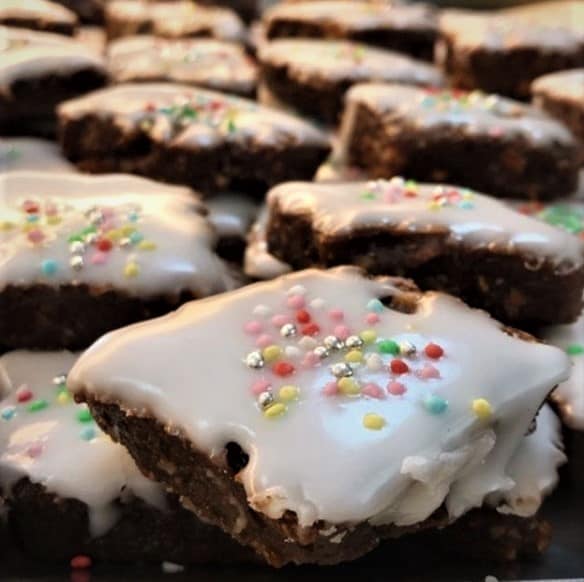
pixel 231 126
pixel 575 350
pixel 368 195
pixel 37 405
pixel 388 347
pixel 75 238
pixel 84 415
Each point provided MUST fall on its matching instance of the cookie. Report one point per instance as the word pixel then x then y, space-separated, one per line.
pixel 248 10
pixel 519 269
pixel 36 63
pixel 504 53
pixel 207 140
pixel 367 374
pixel 22 153
pixel 206 63
pixel 38 15
pixel 174 19
pixel 312 76
pixel 84 255
pixel 88 11
pixel 406 29
pixel 562 95
pixel 485 142
pixel 60 473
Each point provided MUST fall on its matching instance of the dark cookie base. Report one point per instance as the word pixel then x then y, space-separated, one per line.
pixel 29 106
pixel 504 285
pixel 142 533
pixel 571 114
pixel 98 145
pixel 418 43
pixel 118 27
pixel 88 11
pixel 508 167
pixel 66 28
pixel 71 316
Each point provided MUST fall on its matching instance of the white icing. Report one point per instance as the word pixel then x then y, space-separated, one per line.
pixel 338 60
pixel 47 12
pixel 220 118
pixel 472 113
pixel 26 54
pixel 22 153
pixel 231 214
pixel 208 63
pixel 180 18
pixel 473 219
pixel 318 460
pixel 52 447
pixel 93 37
pixel 570 394
pixel 563 85
pixel 172 247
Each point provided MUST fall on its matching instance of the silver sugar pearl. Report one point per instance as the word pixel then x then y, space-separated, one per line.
pixel 60 379
pixel 332 342
pixel 353 341
pixel 77 247
pixel 254 360
pixel 321 352
pixel 407 348
pixel 288 330
pixel 341 370
pixel 77 263
pixel 125 242
pixel 265 399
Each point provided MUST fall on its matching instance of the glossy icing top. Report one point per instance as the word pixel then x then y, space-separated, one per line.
pixel 563 84
pixel 205 62
pixel 47 12
pixel 337 209
pixel 113 231
pixel 47 438
pixel 473 113
pixel 347 60
pixel 408 410
pixel 26 54
pixel 190 117
pixel 21 153
pixel 179 18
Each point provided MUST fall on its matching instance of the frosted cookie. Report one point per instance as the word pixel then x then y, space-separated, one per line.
pixel 35 63
pixel 312 76
pixel 22 153
pixel 248 10
pixel 171 19
pixel 207 63
pixel 447 238
pixel 406 29
pixel 415 400
pixel 81 255
pixel 60 473
pixel 38 15
pixel 485 142
pixel 204 139
pixel 503 53
pixel 562 95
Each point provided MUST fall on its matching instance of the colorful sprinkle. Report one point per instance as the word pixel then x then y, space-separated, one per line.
pixel 63 398
pixel 575 350
pixel 372 390
pixel 435 404
pixel 23 395
pixel 428 372
pixel 131 270
pixel 35 236
pixel 49 267
pixel 374 362
pixel 388 347
pixel 275 410
pixel 342 332
pixel 8 413
pixel 296 301
pixel 264 340
pixel 302 316
pixel 396 388
pixel 84 415
pixel 310 329
pixel 399 367
pixel 348 386
pixel 354 357
pixel 336 315
pixel 330 389
pixel 368 336
pixel 37 405
pixel 482 408
pixel 434 351
pixel 288 393
pixel 373 421
pixel 260 386
pixel 271 353
pixel 283 369
pixel 375 306
pixel 80 562
pixel 88 433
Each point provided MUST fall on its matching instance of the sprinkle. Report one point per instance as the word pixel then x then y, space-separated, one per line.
pixel 6 225
pixel 368 336
pixel 482 408
pixel 372 318
pixel 280 320
pixel 407 348
pixel 398 367
pixel 292 352
pixel 342 332
pixel 80 562
pixel 310 360
pixel 88 433
pixel 275 410
pixel 310 329
pixel 37 405
pixel 23 395
pixel 575 350
pixel 49 267
pixel 374 362
pixel 307 343
pixel 388 347
pixel 354 357
pixel 288 330
pixel 131 270
pixel 60 380
pixel 63 398
pixel 283 369
pixel 265 399
pixel 297 290
pixel 260 386
pixel 295 301
pixel 76 263
pixel 302 316
pixel 348 386
pixel 35 236
pixel 435 404
pixel 264 340
pixel 428 372
pixel 330 389
pixel 84 415
pixel 373 421
pixel 147 245
pixel 341 370
pixel 288 393
pixel 434 351
pixel 136 237
pixel 77 247
pixel 271 353
pixel 373 390
pixel 396 388
pixel 30 207
pixel 8 413
pixel 336 315
pixel 375 306
pixel 104 245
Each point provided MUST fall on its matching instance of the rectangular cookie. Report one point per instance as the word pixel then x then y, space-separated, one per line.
pixel 485 142
pixel 335 411
pixel 82 255
pixel 207 140
pixel 39 15
pixel 448 238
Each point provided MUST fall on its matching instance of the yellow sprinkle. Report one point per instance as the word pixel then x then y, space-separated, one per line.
pixel 63 398
pixel 147 245
pixel 348 387
pixel 127 230
pixel 354 357
pixel 114 234
pixel 6 225
pixel 53 220
pixel 373 421
pixel 288 393
pixel 275 410
pixel 368 336
pixel 132 270
pixel 29 226
pixel 434 206
pixel 482 408
pixel 271 353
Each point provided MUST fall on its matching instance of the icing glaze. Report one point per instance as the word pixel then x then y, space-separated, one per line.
pixel 231 214
pixel 93 37
pixel 112 231
pixel 26 54
pixel 567 85
pixel 47 12
pixel 22 153
pixel 473 113
pixel 473 219
pixel 47 438
pixel 409 410
pixel 179 18
pixel 205 62
pixel 188 117
pixel 346 60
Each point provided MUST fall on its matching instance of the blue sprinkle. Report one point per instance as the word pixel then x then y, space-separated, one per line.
pixel 88 433
pixel 49 267
pixel 435 404
pixel 133 217
pixel 32 218
pixel 136 237
pixel 375 305
pixel 8 413
pixel 466 205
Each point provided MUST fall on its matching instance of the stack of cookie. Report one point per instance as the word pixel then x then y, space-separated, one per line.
pixel 417 229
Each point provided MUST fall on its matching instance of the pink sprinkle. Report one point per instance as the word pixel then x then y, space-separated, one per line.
pixel 260 386
pixel 296 301
pixel 331 389
pixel 107 212
pixel 396 388
pixel 428 372
pixel 50 209
pixel 372 318
pixel 372 390
pixel 35 450
pixel 252 327
pixel 310 360
pixel 98 258
pixel 280 319
pixel 342 332
pixel 264 341
pixel 35 236
pixel 336 314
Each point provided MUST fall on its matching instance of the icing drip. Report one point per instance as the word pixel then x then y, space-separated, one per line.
pixel 31 154
pixel 47 438
pixel 426 407
pixel 114 231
